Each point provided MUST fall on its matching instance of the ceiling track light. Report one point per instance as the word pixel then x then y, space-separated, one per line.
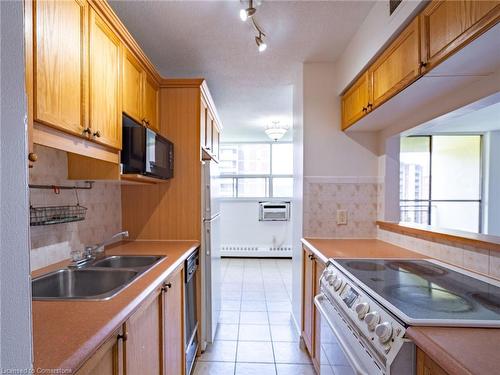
pixel 248 12
pixel 245 14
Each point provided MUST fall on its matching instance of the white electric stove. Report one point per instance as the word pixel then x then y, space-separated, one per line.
pixel 367 304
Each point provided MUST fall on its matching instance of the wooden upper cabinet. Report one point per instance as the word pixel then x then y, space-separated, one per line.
pixel 355 101
pixel 150 103
pixel 397 67
pixel 59 64
pixel 173 302
pixel 143 347
pixel 215 141
pixel 209 132
pixel 132 86
pixel 447 26
pixel 203 123
pixel 105 87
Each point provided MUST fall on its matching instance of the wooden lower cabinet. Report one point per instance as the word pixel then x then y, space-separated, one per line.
pixel 108 360
pixel 143 346
pixel 151 341
pixel 311 271
pixel 426 366
pixel 173 318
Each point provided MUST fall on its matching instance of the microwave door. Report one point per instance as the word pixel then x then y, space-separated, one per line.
pixel 158 155
pixel 133 153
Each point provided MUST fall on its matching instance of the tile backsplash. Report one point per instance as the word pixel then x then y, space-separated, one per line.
pixel 324 196
pixel 52 243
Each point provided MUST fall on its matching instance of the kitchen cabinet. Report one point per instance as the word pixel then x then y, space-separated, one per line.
pixel 203 123
pixel 356 101
pixel 108 359
pixel 215 141
pixel 150 103
pixel 209 131
pixel 140 92
pixel 173 302
pixel 59 64
pixel 143 345
pixel 105 83
pixel 449 25
pixel 319 268
pixel 426 366
pixel 132 86
pixel 397 67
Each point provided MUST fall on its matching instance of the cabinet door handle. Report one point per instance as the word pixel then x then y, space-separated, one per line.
pixel 32 157
pixel 423 64
pixel 166 286
pixel 123 336
pixel 97 134
pixel 365 109
pixel 369 106
pixel 87 131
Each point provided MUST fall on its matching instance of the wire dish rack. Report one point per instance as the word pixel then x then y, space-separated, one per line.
pixel 49 215
pixel 56 214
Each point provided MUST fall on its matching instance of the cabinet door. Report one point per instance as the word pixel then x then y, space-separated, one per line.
pixel 132 86
pixel 318 270
pixel 150 104
pixel 397 67
pixel 426 366
pixel 59 64
pixel 203 123
pixel 307 300
pixel 173 302
pixel 105 93
pixel 355 101
pixel 143 347
pixel 209 132
pixel 107 360
pixel 449 25
pixel 215 141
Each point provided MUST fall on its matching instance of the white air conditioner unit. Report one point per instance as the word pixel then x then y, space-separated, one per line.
pixel 274 211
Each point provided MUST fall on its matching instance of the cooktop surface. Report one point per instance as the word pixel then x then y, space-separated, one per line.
pixel 422 291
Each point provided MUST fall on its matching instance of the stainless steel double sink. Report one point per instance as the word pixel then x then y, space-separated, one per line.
pixel 99 280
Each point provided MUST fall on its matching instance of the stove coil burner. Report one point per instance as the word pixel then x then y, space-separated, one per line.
pixel 417 268
pixel 430 298
pixel 489 300
pixel 363 265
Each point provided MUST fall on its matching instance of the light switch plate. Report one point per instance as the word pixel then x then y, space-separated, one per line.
pixel 341 217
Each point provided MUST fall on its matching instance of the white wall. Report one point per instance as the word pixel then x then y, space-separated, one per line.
pixel 15 288
pixel 298 187
pixel 375 32
pixel 492 183
pixel 240 226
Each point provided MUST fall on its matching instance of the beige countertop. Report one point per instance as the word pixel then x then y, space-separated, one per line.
pixel 66 333
pixel 459 351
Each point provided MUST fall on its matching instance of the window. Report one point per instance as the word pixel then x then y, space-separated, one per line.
pixel 256 170
pixel 440 181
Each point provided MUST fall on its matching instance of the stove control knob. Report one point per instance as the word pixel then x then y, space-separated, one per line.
pixel 361 309
pixel 372 319
pixel 330 278
pixel 384 331
pixel 338 283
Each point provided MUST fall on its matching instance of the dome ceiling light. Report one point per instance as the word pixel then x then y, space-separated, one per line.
pixel 276 131
pixel 248 11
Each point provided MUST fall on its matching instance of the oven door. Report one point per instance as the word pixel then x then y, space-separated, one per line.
pixel 341 351
pixel 159 155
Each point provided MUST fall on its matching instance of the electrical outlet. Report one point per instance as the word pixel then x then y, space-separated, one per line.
pixel 341 217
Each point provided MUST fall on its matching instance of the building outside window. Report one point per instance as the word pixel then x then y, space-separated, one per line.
pixel 440 181
pixel 256 170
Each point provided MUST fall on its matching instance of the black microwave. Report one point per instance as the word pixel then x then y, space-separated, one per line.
pixel 145 152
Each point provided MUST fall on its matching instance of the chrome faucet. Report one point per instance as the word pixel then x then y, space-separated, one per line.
pixel 93 252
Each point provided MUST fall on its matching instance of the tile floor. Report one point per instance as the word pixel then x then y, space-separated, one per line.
pixel 256 335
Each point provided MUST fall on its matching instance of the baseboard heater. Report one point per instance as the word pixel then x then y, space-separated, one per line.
pixel 256 251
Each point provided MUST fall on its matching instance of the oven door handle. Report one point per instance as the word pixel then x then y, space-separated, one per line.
pixel 348 351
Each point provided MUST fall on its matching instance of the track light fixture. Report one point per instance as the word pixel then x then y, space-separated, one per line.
pixel 260 42
pixel 249 12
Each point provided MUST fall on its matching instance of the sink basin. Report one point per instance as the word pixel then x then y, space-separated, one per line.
pixel 127 261
pixel 81 283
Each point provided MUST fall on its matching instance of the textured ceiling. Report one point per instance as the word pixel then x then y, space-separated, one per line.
pixel 207 39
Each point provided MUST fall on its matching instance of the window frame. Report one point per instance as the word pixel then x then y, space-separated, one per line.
pixel 428 203
pixel 267 176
